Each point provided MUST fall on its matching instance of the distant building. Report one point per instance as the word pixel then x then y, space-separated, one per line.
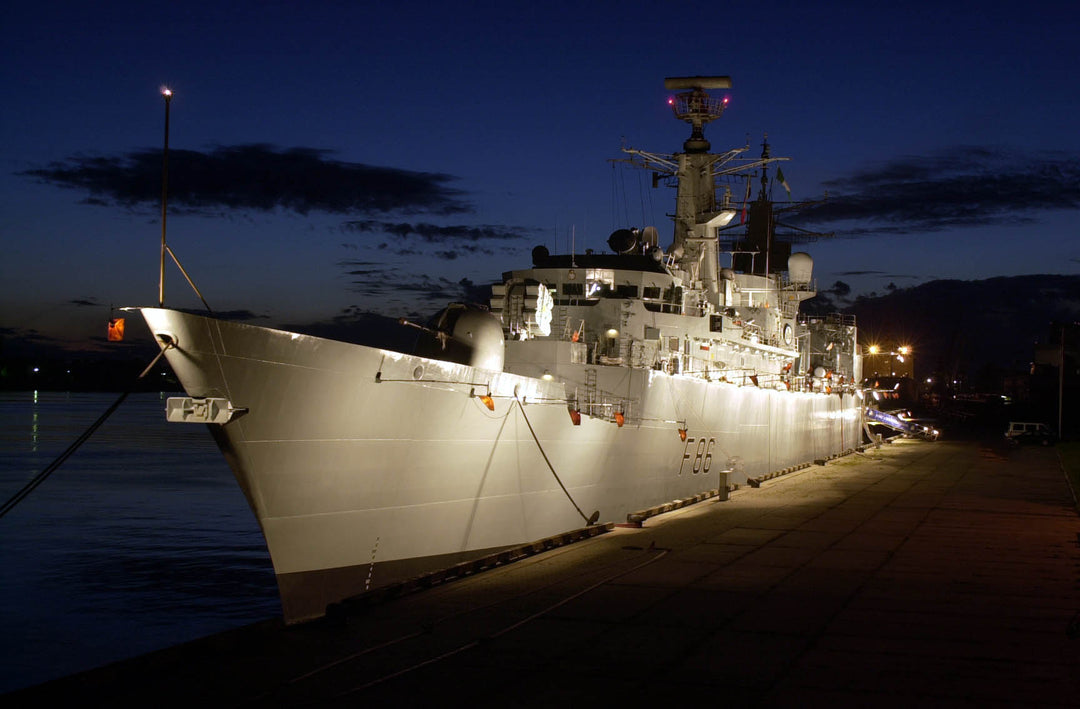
pixel 1050 391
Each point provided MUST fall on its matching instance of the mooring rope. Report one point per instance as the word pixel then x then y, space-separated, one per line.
pixel 589 521
pixel 51 467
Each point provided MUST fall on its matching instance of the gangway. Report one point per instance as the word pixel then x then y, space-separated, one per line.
pixel 899 423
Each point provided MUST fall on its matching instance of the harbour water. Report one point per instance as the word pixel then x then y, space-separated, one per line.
pixel 140 540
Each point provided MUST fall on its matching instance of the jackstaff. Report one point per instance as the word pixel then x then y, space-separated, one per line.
pixel 168 94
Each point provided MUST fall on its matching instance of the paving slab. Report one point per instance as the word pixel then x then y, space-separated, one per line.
pixel 917 574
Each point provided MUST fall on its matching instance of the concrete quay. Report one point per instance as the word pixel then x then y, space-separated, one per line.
pixel 916 574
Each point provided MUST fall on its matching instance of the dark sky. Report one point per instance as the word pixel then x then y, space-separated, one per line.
pixel 335 157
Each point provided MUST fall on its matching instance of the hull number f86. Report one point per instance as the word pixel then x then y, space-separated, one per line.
pixel 698 450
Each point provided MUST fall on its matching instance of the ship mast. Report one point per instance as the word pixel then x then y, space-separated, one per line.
pixel 699 213
pixel 696 213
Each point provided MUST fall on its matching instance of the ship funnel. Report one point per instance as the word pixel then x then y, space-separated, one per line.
pixel 800 267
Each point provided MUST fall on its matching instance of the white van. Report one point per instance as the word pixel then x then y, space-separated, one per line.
pixel 1030 432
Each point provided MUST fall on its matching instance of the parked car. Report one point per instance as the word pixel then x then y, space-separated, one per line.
pixel 1030 432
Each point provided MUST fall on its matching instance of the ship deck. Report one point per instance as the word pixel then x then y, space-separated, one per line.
pixel 941 573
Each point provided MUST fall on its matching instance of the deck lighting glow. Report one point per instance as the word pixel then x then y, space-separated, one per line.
pixel 873 349
pixel 547 376
pixel 612 333
pixel 905 350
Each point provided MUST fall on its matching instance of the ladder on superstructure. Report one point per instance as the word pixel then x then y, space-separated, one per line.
pixel 590 390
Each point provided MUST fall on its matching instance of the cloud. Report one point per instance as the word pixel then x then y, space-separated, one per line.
pixel 398 288
pixel 459 240
pixel 435 234
pixel 256 177
pixel 960 187
pixel 425 288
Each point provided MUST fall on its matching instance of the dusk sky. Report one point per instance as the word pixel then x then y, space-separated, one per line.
pixel 335 157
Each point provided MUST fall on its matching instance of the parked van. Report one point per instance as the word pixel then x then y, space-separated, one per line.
pixel 1030 432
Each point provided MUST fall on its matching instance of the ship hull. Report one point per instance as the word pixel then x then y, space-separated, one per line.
pixel 365 466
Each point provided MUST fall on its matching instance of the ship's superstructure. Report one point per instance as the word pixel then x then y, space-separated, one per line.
pixel 590 387
pixel 681 310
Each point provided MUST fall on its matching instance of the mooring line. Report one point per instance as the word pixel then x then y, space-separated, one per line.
pixel 51 467
pixel 589 521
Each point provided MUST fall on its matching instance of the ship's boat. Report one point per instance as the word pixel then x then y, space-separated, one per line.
pixel 590 387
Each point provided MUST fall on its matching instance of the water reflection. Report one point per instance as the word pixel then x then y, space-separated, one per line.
pixel 140 540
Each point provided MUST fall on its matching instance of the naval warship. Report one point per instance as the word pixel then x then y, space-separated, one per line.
pixel 591 387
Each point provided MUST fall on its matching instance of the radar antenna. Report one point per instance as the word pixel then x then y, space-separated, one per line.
pixel 697 107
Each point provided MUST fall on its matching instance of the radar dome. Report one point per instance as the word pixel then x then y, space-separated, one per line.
pixel 800 267
pixel 650 236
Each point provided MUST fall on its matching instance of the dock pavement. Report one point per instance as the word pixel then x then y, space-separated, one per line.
pixel 914 574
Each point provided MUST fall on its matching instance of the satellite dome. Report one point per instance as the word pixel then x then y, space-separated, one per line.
pixel 650 236
pixel 800 267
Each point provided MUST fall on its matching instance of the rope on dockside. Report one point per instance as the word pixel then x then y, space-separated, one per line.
pixel 589 521
pixel 83 437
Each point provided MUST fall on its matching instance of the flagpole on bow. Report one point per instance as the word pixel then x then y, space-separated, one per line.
pixel 167 93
